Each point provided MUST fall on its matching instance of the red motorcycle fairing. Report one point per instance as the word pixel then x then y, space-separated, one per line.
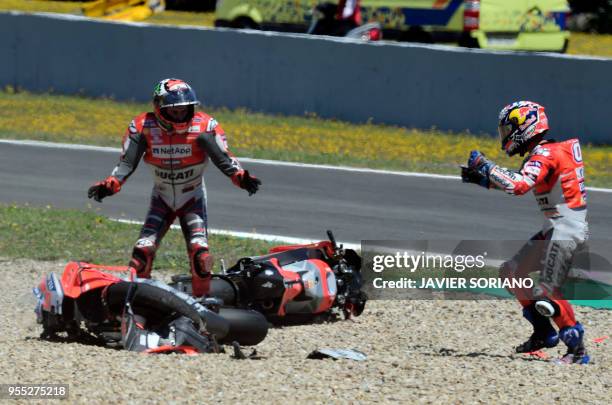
pixel 77 278
pixel 292 279
pixel 318 287
pixel 323 274
pixel 167 349
pixel 80 277
pixel 293 286
pixel 99 299
pixel 325 245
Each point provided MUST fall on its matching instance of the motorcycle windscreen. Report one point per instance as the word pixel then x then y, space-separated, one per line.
pixel 320 287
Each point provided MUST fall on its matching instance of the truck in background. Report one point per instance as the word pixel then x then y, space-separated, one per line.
pixel 529 25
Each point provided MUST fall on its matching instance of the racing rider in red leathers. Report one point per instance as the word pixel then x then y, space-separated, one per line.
pixel 555 173
pixel 176 142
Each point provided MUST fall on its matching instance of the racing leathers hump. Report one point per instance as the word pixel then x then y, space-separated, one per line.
pixel 177 160
pixel 555 173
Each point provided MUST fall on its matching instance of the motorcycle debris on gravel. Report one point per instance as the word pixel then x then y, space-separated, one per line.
pixel 108 305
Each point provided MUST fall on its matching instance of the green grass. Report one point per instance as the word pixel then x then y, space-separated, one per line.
pixel 54 234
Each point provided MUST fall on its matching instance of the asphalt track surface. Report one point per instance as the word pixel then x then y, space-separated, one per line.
pixel 295 201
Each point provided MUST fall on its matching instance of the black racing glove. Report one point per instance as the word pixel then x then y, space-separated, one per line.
pixel 477 170
pixel 245 181
pixel 102 189
pixel 470 175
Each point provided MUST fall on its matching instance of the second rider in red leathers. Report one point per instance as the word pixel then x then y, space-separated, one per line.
pixel 554 171
pixel 176 142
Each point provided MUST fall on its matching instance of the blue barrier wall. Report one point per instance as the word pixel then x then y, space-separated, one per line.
pixel 402 84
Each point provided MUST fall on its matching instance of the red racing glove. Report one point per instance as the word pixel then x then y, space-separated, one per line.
pixel 109 186
pixel 245 181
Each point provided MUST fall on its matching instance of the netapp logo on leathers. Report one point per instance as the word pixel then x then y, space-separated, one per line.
pixel 171 151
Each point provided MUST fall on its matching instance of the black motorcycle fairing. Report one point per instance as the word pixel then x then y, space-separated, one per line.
pixel 284 258
pixel 187 334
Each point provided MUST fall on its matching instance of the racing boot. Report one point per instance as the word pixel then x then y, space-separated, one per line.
pixel 573 337
pixel 544 334
pixel 142 258
pixel 201 272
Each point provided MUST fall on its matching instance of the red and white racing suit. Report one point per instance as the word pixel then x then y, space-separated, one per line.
pixel 555 173
pixel 177 162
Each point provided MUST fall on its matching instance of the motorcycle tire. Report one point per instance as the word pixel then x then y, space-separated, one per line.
pixel 225 289
pixel 246 326
pixel 159 306
pixel 220 287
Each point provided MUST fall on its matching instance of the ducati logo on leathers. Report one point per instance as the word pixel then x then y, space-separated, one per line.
pixel 174 175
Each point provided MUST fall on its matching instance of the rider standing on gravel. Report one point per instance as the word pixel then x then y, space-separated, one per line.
pixel 176 141
pixel 555 173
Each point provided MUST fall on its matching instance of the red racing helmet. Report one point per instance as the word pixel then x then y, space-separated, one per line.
pixel 520 125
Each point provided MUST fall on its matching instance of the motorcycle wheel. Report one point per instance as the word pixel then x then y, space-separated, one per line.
pixel 159 307
pixel 246 326
pixel 220 287
pixel 156 305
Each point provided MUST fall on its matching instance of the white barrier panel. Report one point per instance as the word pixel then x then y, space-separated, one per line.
pixel 401 84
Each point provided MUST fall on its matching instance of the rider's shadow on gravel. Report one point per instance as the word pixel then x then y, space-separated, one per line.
pixel 296 320
pixel 446 352
pixel 85 340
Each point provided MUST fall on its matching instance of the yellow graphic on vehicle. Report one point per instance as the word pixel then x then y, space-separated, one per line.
pixel 123 10
pixel 499 24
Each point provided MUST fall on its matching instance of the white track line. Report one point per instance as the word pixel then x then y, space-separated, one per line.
pixel 251 235
pixel 54 145
pixel 57 145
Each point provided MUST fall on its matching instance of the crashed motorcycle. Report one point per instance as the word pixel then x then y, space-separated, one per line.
pixel 295 283
pixel 108 305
